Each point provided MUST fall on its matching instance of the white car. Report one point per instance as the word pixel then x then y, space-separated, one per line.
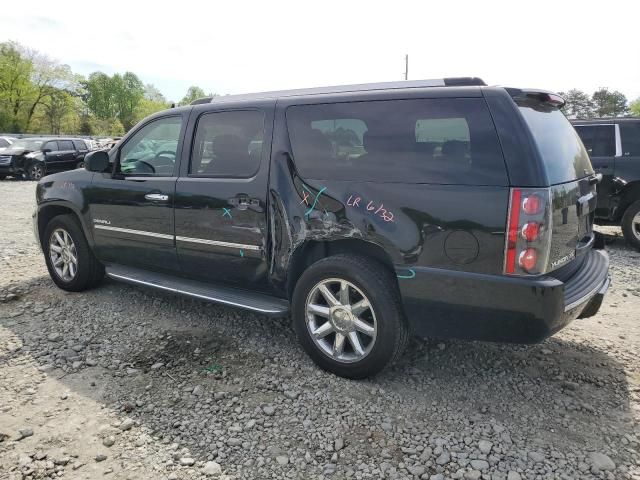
pixel 5 142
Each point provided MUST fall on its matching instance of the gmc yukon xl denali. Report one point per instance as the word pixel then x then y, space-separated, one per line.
pixel 367 213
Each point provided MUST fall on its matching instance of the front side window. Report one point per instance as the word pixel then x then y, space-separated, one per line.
pixel 79 145
pixel 51 146
pixel 599 140
pixel 630 133
pixel 228 144
pixel 152 150
pixel 441 141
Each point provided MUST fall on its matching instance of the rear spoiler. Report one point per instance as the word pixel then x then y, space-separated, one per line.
pixel 542 96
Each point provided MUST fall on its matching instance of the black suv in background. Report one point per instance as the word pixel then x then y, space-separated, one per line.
pixel 37 157
pixel 614 147
pixel 366 212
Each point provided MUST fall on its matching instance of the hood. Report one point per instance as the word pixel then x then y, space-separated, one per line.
pixel 14 151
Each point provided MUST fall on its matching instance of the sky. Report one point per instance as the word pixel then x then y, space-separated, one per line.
pixel 244 46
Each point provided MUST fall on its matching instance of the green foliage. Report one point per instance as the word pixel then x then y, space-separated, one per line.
pixel 578 104
pixel 609 104
pixel 193 93
pixel 634 107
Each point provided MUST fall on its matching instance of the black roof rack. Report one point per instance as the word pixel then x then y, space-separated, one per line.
pixel 439 82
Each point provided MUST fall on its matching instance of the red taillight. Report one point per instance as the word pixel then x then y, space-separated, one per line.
pixel 528 232
pixel 531 231
pixel 531 204
pixel 512 234
pixel 528 259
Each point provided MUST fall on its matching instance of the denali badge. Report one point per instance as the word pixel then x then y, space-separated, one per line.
pixel 562 260
pixel 102 222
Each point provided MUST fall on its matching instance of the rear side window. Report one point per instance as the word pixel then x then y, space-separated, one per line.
pixel 441 141
pixel 228 144
pixel 630 133
pixel 66 145
pixel 561 150
pixel 599 140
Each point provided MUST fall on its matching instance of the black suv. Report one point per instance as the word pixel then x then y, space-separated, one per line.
pixel 367 212
pixel 37 157
pixel 614 147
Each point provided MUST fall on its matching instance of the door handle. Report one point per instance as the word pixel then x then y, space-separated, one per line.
pixel 156 197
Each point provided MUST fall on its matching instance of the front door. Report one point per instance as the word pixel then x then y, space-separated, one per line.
pixel 600 142
pixel 132 208
pixel 221 204
pixel 67 154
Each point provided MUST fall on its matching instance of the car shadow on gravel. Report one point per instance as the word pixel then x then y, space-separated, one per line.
pixel 185 369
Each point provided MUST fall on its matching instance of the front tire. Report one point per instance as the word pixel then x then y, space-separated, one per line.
pixel 71 263
pixel 631 224
pixel 35 171
pixel 348 317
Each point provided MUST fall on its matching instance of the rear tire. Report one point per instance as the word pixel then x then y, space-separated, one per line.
pixel 360 328
pixel 80 164
pixel 71 263
pixel 2 177
pixel 631 224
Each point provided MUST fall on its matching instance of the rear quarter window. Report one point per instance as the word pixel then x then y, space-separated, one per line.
pixel 630 133
pixel 439 141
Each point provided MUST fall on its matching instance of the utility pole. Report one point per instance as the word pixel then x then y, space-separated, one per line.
pixel 406 67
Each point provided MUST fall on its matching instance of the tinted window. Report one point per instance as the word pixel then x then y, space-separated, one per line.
pixel 599 140
pixel 562 153
pixel 228 144
pixel 447 141
pixel 152 150
pixel 53 146
pixel 630 133
pixel 66 145
pixel 79 144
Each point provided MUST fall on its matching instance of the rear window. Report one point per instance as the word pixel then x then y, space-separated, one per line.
pixel 599 140
pixel 441 141
pixel 563 154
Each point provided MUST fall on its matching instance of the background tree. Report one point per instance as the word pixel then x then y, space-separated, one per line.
pixel 15 87
pixel 634 107
pixel 578 104
pixel 608 104
pixel 193 93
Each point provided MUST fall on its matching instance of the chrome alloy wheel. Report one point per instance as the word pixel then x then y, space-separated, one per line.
pixel 36 171
pixel 341 320
pixel 635 225
pixel 63 255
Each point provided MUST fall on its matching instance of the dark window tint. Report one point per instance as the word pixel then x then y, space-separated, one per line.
pixel 66 145
pixel 53 146
pixel 79 145
pixel 561 151
pixel 599 140
pixel 446 141
pixel 630 133
pixel 228 144
pixel 152 150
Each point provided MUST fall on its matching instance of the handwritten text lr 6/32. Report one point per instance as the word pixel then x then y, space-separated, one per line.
pixel 372 207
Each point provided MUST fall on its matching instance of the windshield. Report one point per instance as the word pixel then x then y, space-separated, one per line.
pixel 563 154
pixel 27 144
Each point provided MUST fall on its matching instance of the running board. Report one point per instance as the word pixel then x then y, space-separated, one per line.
pixel 256 302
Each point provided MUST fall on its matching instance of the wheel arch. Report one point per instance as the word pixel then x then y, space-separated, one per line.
pixel 313 250
pixel 50 210
pixel 629 194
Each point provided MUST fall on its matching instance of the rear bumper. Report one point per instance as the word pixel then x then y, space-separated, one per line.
pixel 444 303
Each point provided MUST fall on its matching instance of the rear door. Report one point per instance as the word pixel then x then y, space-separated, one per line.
pixel 600 142
pixel 221 197
pixel 571 180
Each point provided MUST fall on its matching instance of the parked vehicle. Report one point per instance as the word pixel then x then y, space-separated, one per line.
pixel 6 142
pixel 368 212
pixel 37 157
pixel 614 147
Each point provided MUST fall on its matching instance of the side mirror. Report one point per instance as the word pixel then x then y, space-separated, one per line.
pixel 96 161
pixel 46 150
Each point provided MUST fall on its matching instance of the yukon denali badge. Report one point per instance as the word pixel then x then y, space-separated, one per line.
pixel 101 222
pixel 562 260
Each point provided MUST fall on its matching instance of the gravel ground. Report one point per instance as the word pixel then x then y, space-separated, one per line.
pixel 140 385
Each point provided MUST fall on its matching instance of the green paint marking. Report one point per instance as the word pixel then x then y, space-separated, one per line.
pixel 411 274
